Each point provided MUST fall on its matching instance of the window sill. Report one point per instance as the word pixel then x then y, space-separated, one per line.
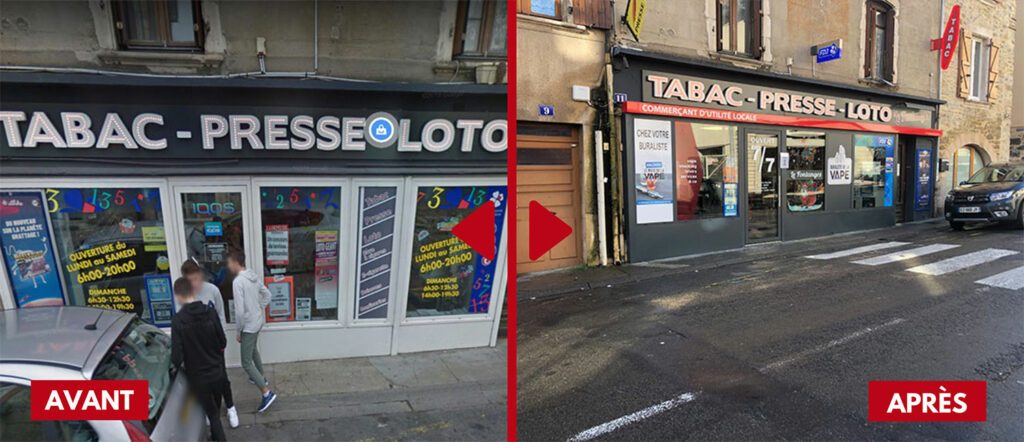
pixel 739 60
pixel 469 66
pixel 162 59
pixel 875 82
pixel 977 100
pixel 552 22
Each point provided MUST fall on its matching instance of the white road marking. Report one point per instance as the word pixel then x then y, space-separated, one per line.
pixel 906 254
pixel 858 250
pixel 1011 279
pixel 610 426
pixel 961 262
pixel 836 342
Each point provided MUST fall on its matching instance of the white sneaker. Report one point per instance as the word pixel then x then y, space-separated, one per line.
pixel 233 417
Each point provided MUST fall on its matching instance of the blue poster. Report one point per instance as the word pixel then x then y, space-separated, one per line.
pixel 161 300
pixel 731 200
pixel 923 184
pixel 214 228
pixel 888 143
pixel 28 250
pixel 483 278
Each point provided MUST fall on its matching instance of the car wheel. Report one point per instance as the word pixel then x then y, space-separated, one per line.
pixel 956 225
pixel 1020 216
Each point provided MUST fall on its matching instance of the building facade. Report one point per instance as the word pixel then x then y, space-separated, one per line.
pixel 978 89
pixel 139 135
pixel 730 122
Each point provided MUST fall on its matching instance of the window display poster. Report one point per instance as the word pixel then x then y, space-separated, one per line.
pixel 215 252
pixel 28 250
pixel 922 191
pixel 731 199
pixel 652 178
pixel 888 143
pixel 805 186
pixel 277 244
pixel 282 298
pixel 689 172
pixel 840 168
pixel 447 276
pixel 161 302
pixel 303 307
pixel 326 285
pixel 376 234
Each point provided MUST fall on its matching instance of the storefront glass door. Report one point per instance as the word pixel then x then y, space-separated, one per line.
pixel 762 186
pixel 213 223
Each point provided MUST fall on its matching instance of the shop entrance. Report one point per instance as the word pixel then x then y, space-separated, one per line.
pixel 210 222
pixel 762 186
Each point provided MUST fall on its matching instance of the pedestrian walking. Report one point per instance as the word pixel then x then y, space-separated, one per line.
pixel 210 295
pixel 251 298
pixel 197 349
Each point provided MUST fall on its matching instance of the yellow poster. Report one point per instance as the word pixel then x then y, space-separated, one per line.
pixel 635 10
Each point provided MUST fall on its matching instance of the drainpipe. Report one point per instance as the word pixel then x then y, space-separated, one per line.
pixel 599 176
pixel 316 36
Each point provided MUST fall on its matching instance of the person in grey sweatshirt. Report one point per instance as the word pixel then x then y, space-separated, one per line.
pixel 210 295
pixel 251 297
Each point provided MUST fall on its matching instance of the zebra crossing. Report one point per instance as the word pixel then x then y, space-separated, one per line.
pixel 1012 279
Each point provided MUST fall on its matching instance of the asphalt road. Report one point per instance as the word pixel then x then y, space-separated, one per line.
pixel 772 345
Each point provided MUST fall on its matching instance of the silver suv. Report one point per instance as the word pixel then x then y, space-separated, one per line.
pixel 84 343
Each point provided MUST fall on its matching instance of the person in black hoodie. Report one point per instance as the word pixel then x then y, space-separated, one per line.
pixel 197 348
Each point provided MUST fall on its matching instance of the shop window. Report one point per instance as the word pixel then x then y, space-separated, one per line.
pixel 112 249
pixel 872 171
pixel 805 183
pixel 300 230
pixel 481 29
pixel 878 38
pixel 542 8
pixel 966 162
pixel 213 225
pixel 16 422
pixel 377 207
pixel 707 183
pixel 158 24
pixel 739 27
pixel 447 277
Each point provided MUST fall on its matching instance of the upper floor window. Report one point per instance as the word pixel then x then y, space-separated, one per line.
pixel 979 67
pixel 879 32
pixel 158 24
pixel 739 27
pixel 543 8
pixel 481 29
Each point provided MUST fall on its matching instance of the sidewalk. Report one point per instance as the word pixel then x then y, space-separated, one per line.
pixel 338 396
pixel 575 280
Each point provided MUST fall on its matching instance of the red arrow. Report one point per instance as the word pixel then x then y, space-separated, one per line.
pixel 477 230
pixel 546 230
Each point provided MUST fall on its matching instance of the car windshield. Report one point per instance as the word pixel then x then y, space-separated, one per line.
pixel 998 174
pixel 142 353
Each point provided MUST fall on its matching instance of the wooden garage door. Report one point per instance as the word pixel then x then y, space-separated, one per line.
pixel 547 171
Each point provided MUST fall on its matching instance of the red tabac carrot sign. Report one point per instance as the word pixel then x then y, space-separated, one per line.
pixel 950 36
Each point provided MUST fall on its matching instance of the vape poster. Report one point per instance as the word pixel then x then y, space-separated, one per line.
pixel 282 298
pixel 689 172
pixel 922 191
pixel 652 141
pixel 28 250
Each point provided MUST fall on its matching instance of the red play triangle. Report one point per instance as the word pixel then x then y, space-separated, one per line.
pixel 546 230
pixel 477 230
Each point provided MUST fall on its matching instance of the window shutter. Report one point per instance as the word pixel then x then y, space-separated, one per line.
pixel 889 64
pixel 993 70
pixel 963 88
pixel 756 6
pixel 592 13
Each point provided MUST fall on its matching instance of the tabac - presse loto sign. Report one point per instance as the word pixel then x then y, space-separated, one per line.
pixel 46 130
pixel 635 11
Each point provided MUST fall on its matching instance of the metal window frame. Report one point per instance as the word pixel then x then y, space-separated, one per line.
pixel 122 22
